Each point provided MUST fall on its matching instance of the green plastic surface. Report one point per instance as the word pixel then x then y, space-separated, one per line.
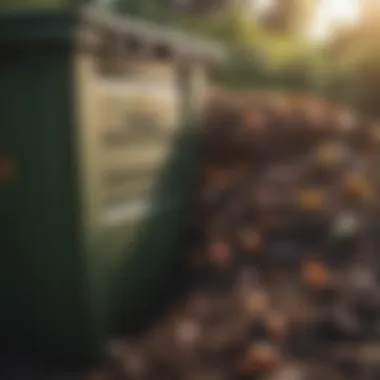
pixel 64 286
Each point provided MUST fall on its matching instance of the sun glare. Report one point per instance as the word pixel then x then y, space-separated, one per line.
pixel 328 14
pixel 331 13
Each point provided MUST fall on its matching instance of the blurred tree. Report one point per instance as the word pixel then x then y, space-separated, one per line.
pixel 289 16
pixel 355 54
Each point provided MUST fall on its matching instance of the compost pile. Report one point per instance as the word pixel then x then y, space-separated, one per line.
pixel 284 280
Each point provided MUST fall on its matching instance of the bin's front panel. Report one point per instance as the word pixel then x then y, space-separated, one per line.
pixel 128 128
pixel 138 121
pixel 138 125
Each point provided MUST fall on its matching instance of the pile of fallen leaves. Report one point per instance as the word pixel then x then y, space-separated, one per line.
pixel 285 279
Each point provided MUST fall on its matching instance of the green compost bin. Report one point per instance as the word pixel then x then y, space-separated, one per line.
pixel 98 157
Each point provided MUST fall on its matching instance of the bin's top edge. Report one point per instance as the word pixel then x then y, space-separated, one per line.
pixel 55 24
pixel 180 42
